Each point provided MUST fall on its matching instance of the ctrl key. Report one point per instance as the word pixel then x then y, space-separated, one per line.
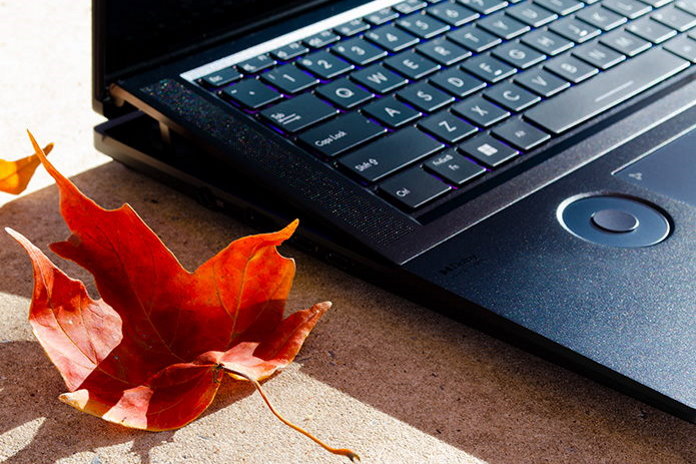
pixel 413 188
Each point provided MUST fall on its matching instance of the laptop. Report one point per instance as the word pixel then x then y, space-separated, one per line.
pixel 525 166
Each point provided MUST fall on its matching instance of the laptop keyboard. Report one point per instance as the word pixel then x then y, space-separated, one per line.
pixel 421 99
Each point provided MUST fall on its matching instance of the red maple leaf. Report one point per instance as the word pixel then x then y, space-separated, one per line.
pixel 151 353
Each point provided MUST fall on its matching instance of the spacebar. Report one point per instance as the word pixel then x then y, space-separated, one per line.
pixel 610 88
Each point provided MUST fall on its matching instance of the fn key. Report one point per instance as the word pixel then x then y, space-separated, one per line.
pixel 413 188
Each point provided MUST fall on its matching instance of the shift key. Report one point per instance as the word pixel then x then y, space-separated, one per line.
pixel 341 134
pixel 389 154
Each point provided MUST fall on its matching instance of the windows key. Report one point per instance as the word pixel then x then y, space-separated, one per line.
pixel 488 151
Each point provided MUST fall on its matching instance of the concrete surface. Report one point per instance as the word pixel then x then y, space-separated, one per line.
pixel 392 380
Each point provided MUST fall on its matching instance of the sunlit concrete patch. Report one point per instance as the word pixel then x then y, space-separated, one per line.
pixel 14 310
pixel 14 440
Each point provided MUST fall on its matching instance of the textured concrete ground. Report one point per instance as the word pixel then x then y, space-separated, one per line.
pixel 390 379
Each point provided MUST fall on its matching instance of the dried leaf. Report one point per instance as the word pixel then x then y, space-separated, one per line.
pixel 15 175
pixel 151 353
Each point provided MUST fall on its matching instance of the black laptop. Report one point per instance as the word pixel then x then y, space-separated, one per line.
pixel 526 166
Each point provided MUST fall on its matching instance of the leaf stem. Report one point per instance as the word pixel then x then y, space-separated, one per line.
pixel 339 451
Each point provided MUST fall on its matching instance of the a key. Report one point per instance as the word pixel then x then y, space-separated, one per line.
pixel 488 151
pixel 457 82
pixel 351 28
pixel 503 26
pixel 625 43
pixel 484 6
pixel 481 112
pixel 412 65
pixel 598 55
pixel 453 167
pixel 379 79
pixel 425 97
pixel 344 94
pixel 488 68
pixel 674 18
pixel 382 16
pixel 581 103
pixel 422 26
pixel 391 38
pixel 511 96
pixel 358 51
pixel 391 112
pixel 651 30
pixel 547 42
pixel 251 94
pixel 574 30
pixel 385 156
pixel 409 6
pixel 298 113
pixel 687 5
pixel 341 134
pixel 518 55
pixel 531 14
pixel 601 18
pixel 322 39
pixel 560 7
pixel 447 127
pixel 571 69
pixel 443 51
pixel 289 79
pixel 474 38
pixel 289 51
pixel 629 8
pixel 520 135
pixel 452 13
pixel 220 78
pixel 544 83
pixel 324 65
pixel 413 188
pixel 684 47
pixel 256 64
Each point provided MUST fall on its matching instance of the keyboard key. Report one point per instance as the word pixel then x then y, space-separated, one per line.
pixel 391 38
pixel 574 30
pixel 289 51
pixel 391 112
pixel 601 17
pixel 256 64
pixel 251 94
pixel 674 18
pixel 547 42
pixel 598 55
pixel 544 83
pixel 452 13
pixel 684 47
pixel 344 94
pixel 413 188
pixel 479 111
pixel 422 26
pixel 520 135
pixel 382 16
pixel 656 3
pixel 425 97
pixel 518 55
pixel 531 14
pixel 687 5
pixel 503 26
pixel 474 38
pixel 651 30
pixel 351 28
pixel 412 65
pixel 488 151
pixel 625 43
pixel 580 103
pixel 341 134
pixel 456 82
pixel 324 65
pixel 453 167
pixel 220 78
pixel 571 69
pixel 322 39
pixel 289 79
pixel 298 113
pixel 560 7
pixel 447 127
pixel 484 6
pixel 488 68
pixel 379 79
pixel 511 96
pixel 385 156
pixel 629 8
pixel 358 51
pixel 443 51
pixel 409 6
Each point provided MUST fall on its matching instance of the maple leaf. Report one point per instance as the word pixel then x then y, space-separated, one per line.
pixel 151 353
pixel 15 175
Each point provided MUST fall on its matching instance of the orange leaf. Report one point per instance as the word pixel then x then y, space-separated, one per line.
pixel 15 175
pixel 151 353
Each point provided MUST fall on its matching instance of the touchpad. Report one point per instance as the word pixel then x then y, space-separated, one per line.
pixel 670 170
